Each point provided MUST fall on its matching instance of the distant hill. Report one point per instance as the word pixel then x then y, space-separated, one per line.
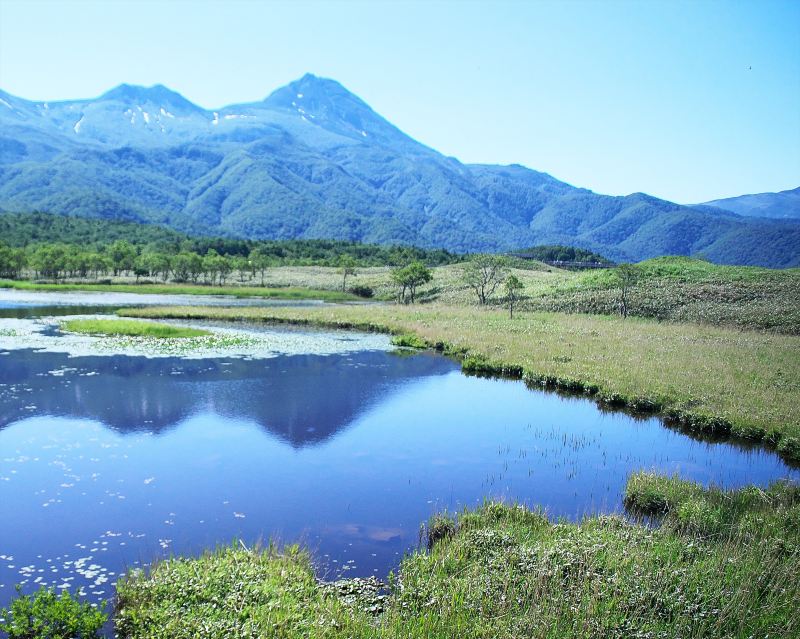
pixel 313 160
pixel 783 205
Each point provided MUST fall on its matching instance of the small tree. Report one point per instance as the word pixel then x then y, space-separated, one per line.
pixel 410 277
pixel 513 286
pixel 627 276
pixel 122 254
pixel 484 273
pixel 260 260
pixel 186 265
pixel 242 266
pixel 347 266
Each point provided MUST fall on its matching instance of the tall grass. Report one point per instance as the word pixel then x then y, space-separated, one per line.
pixel 283 293
pixel 502 572
pixel 130 328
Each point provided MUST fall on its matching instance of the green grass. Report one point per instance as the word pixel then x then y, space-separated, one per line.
pixel 674 289
pixel 714 380
pixel 232 592
pixel 502 572
pixel 130 328
pixel 287 293
pixel 686 290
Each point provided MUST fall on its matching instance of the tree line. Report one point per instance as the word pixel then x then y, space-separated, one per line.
pixel 188 263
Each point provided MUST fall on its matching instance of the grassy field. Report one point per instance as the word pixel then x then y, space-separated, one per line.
pixel 721 565
pixel 284 293
pixel 130 328
pixel 675 289
pixel 715 380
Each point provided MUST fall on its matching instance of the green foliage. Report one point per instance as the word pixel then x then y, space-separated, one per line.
pixel 409 340
pixel 713 513
pixel 440 527
pixel 513 285
pixel 47 615
pixel 362 290
pixel 483 273
pixel 721 565
pixel 682 289
pixel 409 278
pixel 559 253
pixel 27 230
pixel 233 592
pixel 130 328
pixel 12 261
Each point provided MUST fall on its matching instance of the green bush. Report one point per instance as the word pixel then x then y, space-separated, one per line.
pixel 409 341
pixel 360 290
pixel 47 615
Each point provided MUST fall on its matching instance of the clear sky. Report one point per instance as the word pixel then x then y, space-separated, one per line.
pixel 688 101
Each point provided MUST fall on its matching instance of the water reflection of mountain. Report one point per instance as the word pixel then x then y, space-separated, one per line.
pixel 302 399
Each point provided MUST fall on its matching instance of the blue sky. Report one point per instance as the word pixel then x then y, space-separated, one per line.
pixel 684 100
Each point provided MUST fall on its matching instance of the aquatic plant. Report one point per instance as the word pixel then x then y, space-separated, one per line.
pixel 129 328
pixel 408 340
pixel 47 615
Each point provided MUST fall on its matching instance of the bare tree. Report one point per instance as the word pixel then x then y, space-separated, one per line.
pixel 347 266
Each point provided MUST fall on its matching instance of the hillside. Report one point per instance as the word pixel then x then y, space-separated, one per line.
pixel 313 160
pixel 782 205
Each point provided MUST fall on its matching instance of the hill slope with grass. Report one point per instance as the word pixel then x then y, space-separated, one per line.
pixel 313 160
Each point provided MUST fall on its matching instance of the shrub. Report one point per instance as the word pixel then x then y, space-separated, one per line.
pixel 46 615
pixel 361 290
pixel 441 526
pixel 409 340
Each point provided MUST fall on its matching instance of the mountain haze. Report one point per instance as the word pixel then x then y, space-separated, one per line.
pixel 781 205
pixel 312 160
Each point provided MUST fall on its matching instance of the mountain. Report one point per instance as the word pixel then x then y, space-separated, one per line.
pixel 312 160
pixel 782 205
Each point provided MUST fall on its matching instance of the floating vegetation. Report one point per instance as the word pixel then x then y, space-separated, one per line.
pixel 90 335
pixel 130 328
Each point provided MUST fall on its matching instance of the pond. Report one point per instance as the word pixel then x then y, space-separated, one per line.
pixel 109 461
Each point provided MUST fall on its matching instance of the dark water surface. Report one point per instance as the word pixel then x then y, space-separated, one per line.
pixel 110 462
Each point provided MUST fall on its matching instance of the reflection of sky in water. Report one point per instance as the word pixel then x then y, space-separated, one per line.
pixel 109 462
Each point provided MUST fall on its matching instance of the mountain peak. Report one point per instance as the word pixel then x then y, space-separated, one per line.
pixel 313 89
pixel 330 105
pixel 156 94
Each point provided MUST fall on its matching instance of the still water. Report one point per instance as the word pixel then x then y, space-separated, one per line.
pixel 108 462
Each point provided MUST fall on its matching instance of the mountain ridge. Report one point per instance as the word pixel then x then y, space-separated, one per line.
pixel 779 205
pixel 313 160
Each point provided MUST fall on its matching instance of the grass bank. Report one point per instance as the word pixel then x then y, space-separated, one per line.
pixel 683 289
pixel 503 572
pixel 287 293
pixel 130 328
pixel 674 289
pixel 712 380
